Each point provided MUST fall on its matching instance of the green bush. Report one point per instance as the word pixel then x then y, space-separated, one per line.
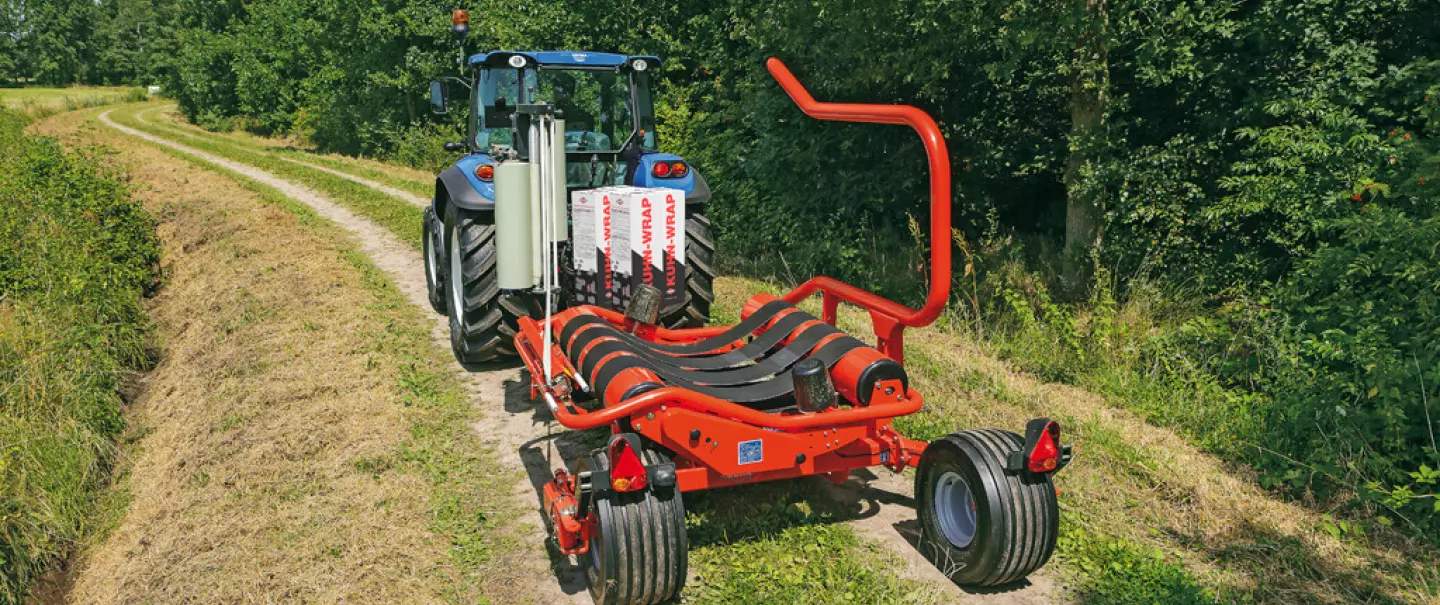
pixel 423 147
pixel 76 255
pixel 1158 352
pixel 1361 402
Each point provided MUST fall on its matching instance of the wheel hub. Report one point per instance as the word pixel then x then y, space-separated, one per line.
pixel 955 509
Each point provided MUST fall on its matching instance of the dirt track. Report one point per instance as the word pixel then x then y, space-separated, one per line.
pixel 407 197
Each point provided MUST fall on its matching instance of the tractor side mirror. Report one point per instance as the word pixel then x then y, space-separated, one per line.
pixel 438 98
pixel 454 146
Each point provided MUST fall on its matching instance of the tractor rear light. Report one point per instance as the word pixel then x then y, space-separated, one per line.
pixel 679 170
pixel 485 172
pixel 1045 455
pixel 627 474
pixel 661 170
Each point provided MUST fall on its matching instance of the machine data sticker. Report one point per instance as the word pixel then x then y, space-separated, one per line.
pixel 752 451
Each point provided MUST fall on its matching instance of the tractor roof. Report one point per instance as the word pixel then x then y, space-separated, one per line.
pixel 560 58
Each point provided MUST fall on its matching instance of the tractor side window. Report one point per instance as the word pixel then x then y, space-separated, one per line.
pixel 497 86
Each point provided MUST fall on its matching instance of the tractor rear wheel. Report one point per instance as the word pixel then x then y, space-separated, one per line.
pixel 433 241
pixel 700 274
pixel 483 319
pixel 641 553
pixel 979 524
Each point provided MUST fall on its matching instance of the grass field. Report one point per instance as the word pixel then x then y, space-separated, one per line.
pixel 38 102
pixel 307 406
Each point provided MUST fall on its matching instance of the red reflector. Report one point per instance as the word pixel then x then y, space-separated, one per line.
pixel 661 169
pixel 485 172
pixel 679 169
pixel 627 474
pixel 1046 455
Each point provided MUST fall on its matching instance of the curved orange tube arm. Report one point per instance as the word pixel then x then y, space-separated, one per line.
pixel 939 158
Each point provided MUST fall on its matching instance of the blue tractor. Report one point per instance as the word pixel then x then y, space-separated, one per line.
pixel 609 139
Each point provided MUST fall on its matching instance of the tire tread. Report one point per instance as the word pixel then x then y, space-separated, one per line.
pixel 700 275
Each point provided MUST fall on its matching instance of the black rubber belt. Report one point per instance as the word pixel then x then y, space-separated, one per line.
pixel 735 358
pixel 735 333
pixel 772 390
pixel 776 363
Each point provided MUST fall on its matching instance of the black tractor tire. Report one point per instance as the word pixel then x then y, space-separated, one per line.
pixel 640 555
pixel 700 274
pixel 483 319
pixel 433 242
pixel 1012 521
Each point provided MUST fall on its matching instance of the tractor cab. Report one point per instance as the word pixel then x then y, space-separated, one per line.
pixel 605 100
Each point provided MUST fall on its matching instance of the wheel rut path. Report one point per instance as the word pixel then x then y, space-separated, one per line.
pixel 526 437
pixel 405 196
pixel 507 431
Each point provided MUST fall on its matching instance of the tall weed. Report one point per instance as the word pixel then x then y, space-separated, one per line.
pixel 76 256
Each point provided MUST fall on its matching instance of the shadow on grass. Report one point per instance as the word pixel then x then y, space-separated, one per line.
pixel 1292 570
pixel 541 456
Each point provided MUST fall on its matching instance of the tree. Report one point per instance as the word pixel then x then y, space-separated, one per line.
pixel 1089 76
pixel 11 65
pixel 59 39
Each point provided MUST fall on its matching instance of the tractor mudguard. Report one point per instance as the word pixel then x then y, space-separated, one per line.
pixel 700 193
pixel 458 184
pixel 697 191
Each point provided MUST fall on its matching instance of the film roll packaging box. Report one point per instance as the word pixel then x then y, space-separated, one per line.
pixel 587 249
pixel 657 239
pixel 615 223
pixel 627 236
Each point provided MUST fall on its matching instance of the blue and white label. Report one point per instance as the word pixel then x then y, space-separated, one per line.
pixel 752 451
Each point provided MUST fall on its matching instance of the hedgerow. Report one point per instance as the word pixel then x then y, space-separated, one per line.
pixel 77 253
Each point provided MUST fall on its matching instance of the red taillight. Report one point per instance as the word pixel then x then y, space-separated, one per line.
pixel 661 170
pixel 627 474
pixel 1045 456
pixel 485 172
pixel 679 169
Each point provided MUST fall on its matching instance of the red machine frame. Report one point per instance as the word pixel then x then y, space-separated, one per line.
pixel 832 442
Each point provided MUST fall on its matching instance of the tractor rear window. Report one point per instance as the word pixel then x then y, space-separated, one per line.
pixel 596 106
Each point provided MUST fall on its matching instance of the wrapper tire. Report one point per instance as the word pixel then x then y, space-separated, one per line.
pixel 641 554
pixel 1007 526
